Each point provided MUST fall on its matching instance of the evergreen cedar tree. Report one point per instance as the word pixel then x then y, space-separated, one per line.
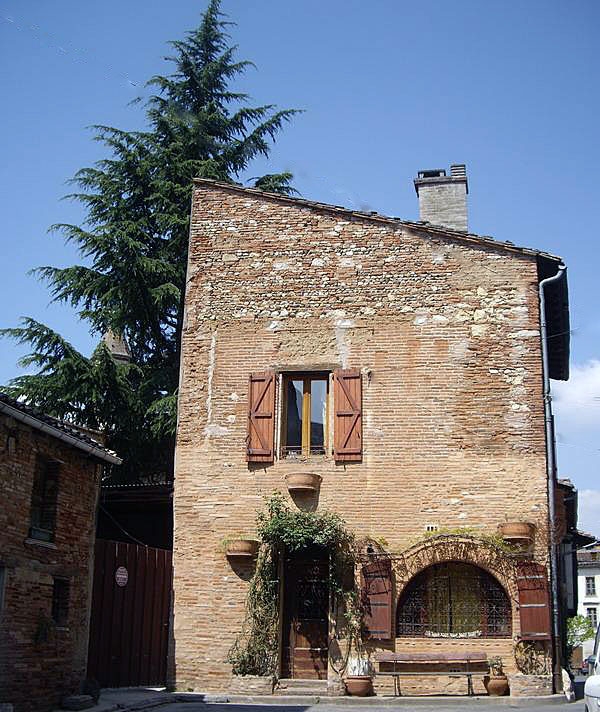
pixel 134 243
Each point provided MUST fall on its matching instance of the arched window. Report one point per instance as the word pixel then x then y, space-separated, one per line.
pixel 454 600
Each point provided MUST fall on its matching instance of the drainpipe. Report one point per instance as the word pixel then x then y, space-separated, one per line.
pixel 550 467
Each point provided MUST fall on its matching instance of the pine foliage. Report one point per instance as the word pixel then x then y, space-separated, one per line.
pixel 134 247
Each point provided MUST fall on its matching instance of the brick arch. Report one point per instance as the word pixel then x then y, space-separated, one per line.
pixel 469 550
pixel 466 549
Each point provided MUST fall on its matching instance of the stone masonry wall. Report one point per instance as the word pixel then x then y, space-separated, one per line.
pixel 446 334
pixel 444 204
pixel 34 676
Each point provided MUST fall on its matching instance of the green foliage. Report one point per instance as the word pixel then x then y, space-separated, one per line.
pixel 496 667
pixel 255 650
pixel 579 628
pixel 494 540
pixel 533 657
pixel 294 530
pixel 133 245
pixel 282 529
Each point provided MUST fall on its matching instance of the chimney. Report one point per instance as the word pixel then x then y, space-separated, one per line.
pixel 443 198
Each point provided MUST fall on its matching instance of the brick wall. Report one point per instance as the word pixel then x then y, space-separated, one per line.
pixel 446 334
pixel 34 676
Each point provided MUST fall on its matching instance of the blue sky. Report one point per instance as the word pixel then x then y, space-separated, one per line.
pixel 388 88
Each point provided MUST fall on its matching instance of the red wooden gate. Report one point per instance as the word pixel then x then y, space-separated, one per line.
pixel 129 627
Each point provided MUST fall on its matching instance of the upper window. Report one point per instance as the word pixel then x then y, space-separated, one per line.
pixel 590 585
pixel 43 500
pixel 305 414
pixel 306 425
pixel 454 600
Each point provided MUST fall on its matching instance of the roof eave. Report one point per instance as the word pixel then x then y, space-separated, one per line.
pixel 92 450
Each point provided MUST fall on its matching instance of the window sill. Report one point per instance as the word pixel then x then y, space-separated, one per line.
pixel 303 458
pixel 39 542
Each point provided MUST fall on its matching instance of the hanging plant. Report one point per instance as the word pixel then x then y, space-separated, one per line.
pixel 279 529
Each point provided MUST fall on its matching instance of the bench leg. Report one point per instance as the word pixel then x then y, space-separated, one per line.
pixel 470 691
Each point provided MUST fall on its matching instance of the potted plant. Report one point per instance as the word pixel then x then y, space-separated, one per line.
pixel 517 531
pixel 496 683
pixel 359 676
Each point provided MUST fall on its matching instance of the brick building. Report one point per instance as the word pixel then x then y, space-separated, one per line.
pixel 403 365
pixel 49 483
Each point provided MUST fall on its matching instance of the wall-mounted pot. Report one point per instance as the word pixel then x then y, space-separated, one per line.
pixel 517 533
pixel 298 482
pixel 241 548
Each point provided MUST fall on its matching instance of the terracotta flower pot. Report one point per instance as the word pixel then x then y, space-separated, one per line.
pixel 496 686
pixel 359 685
pixel 242 548
pixel 303 482
pixel 517 530
pixel 518 534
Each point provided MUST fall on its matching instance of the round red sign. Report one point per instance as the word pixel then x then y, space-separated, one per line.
pixel 121 576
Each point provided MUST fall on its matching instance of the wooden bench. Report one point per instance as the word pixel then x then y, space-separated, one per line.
pixel 451 664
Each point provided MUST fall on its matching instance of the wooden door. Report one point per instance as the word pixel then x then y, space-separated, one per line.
pixel 129 626
pixel 305 619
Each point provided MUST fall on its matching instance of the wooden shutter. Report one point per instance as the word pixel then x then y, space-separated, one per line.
pixel 534 601
pixel 347 426
pixel 261 417
pixel 376 594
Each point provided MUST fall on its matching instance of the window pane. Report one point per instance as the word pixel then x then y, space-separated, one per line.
pixel 318 414
pixel 2 580
pixel 60 602
pixel 455 600
pixel 293 438
pixel 43 500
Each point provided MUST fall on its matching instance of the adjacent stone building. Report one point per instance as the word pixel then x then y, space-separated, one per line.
pixel 49 482
pixel 400 365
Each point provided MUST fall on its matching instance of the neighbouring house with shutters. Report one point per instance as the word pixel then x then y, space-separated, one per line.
pixel 50 474
pixel 588 577
pixel 398 369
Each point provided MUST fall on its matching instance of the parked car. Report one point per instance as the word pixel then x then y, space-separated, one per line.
pixel 592 684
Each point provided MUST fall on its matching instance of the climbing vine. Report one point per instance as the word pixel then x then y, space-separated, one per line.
pixel 279 529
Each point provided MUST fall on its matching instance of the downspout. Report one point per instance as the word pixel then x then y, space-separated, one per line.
pixel 551 469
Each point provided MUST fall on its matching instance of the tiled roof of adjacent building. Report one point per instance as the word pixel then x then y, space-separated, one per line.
pixel 68 433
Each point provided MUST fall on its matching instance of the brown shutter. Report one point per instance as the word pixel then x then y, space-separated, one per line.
pixel 347 426
pixel 261 417
pixel 534 601
pixel 376 584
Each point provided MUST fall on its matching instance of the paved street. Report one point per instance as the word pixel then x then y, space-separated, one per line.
pixel 142 699
pixel 484 705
